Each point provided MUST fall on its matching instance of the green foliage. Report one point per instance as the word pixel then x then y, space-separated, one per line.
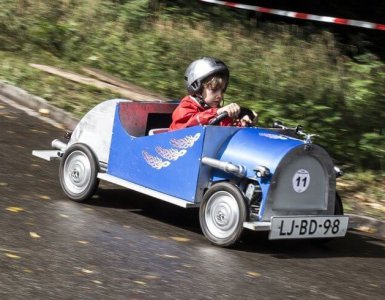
pixel 133 14
pixel 283 72
pixel 365 103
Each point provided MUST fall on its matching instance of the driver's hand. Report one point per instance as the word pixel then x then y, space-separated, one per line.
pixel 246 121
pixel 232 110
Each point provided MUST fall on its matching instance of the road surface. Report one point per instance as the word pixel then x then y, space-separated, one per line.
pixel 123 245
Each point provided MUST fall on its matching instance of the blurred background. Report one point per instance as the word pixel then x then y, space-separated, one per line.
pixel 329 78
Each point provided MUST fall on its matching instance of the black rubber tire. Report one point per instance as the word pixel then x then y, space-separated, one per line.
pixel 78 173
pixel 222 213
pixel 338 207
pixel 338 211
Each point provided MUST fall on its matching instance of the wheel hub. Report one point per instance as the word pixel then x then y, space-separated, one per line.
pixel 222 214
pixel 78 170
pixel 75 175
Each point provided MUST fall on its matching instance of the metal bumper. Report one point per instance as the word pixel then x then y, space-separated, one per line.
pixel 257 226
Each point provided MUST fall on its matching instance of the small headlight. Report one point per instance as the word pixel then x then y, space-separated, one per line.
pixel 261 171
pixel 338 171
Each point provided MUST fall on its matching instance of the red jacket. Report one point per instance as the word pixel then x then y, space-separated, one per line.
pixel 190 113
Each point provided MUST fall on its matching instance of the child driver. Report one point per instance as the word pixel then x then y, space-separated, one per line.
pixel 206 80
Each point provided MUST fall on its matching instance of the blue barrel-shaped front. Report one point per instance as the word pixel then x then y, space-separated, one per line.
pixel 252 147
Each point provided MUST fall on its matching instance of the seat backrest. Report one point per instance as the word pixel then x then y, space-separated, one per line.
pixel 138 118
pixel 157 130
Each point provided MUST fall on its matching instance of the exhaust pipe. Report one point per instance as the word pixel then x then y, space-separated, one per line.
pixel 59 145
pixel 228 167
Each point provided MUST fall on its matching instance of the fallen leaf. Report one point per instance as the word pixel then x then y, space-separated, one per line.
pixel 15 209
pixel 167 256
pixel 44 111
pixel 97 281
pixel 44 197
pixel 64 216
pixel 179 239
pixel 83 242
pixel 13 256
pixel 367 229
pixel 253 274
pixel 3 184
pixel 34 235
pixel 87 271
pixel 139 282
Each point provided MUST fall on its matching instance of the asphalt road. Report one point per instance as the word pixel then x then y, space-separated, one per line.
pixel 123 245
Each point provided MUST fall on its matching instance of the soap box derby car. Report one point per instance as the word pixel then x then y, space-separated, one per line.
pixel 255 178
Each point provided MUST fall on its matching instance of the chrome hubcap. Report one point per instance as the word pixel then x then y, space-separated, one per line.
pixel 222 214
pixel 77 172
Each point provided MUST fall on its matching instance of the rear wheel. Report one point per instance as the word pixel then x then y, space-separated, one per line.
pixel 222 213
pixel 338 207
pixel 78 173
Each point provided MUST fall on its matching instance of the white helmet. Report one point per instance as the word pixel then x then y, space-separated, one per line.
pixel 202 68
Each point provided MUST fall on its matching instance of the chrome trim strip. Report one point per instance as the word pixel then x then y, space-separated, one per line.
pixel 146 191
pixel 48 155
pixel 257 226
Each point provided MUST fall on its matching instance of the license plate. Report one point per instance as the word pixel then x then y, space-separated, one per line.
pixel 308 227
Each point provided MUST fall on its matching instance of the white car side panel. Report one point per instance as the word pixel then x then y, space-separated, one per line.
pixel 95 129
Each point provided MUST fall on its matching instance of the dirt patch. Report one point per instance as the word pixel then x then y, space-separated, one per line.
pixel 363 196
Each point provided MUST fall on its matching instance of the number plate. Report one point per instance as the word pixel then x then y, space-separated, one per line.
pixel 308 227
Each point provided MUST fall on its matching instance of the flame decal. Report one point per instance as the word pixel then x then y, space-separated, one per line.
pixel 186 142
pixel 155 161
pixel 170 154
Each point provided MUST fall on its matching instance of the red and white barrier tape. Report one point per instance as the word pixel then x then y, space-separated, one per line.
pixel 299 15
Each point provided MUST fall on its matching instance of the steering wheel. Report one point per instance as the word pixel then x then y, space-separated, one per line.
pixel 218 119
pixel 244 111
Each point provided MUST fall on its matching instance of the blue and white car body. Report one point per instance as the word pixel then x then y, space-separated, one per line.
pixel 254 178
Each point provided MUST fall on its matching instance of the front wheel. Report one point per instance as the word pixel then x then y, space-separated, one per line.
pixel 338 211
pixel 222 214
pixel 78 173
